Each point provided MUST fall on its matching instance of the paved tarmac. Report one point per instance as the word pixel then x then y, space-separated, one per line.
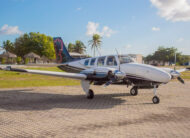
pixel 65 112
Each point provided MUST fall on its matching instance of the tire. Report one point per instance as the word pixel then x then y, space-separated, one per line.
pixel 90 94
pixel 155 100
pixel 134 91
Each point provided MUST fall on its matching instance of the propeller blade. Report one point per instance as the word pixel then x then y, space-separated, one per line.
pixel 119 59
pixel 181 80
pixel 110 82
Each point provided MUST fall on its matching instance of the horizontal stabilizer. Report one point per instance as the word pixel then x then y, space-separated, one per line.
pixel 182 70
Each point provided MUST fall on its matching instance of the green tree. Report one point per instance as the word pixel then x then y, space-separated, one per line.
pixel 8 46
pixel 95 43
pixel 167 55
pixel 35 42
pixel 183 59
pixel 71 47
pixel 79 47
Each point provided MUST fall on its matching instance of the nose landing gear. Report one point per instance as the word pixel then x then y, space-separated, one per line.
pixel 155 99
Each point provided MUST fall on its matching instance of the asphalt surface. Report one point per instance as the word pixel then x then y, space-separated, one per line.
pixel 65 112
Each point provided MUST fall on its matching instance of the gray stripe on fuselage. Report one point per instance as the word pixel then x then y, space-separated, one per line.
pixel 72 69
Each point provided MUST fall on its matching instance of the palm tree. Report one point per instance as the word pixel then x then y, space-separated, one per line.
pixel 79 47
pixel 71 47
pixel 8 46
pixel 95 42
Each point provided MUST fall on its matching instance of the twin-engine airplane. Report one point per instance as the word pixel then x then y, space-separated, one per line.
pixel 107 70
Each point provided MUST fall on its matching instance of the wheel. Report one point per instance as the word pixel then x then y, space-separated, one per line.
pixel 134 91
pixel 90 94
pixel 155 100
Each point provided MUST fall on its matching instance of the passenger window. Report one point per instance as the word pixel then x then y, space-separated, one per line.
pixel 86 62
pixel 101 61
pixel 111 61
pixel 92 61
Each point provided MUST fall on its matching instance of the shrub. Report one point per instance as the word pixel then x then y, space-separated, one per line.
pixel 18 60
pixel 26 60
pixel 3 61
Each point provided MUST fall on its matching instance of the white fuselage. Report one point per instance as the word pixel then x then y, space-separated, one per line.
pixel 132 69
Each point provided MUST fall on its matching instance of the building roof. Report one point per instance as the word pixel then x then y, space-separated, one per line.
pixel 77 54
pixel 32 55
pixel 8 55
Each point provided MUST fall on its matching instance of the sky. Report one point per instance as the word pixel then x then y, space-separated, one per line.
pixel 130 26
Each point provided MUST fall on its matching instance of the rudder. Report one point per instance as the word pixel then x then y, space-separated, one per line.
pixel 62 55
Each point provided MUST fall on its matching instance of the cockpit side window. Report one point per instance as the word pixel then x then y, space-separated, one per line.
pixel 125 59
pixel 111 61
pixel 86 62
pixel 92 61
pixel 101 61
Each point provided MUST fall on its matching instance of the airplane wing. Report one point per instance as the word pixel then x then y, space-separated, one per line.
pixel 49 73
pixel 182 70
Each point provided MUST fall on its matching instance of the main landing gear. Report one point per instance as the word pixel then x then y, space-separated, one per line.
pixel 134 91
pixel 90 94
pixel 86 88
pixel 155 99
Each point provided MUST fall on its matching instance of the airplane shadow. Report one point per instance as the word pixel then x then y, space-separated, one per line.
pixel 23 100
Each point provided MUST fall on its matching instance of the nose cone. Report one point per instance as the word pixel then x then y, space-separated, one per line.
pixel 146 72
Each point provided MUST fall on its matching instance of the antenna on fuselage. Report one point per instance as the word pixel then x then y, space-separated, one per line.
pixel 118 57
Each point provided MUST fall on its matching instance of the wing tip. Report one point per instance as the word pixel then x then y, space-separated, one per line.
pixel 9 68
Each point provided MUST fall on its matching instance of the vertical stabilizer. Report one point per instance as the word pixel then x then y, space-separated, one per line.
pixel 62 55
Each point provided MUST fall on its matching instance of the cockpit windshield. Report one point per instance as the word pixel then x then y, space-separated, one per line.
pixel 125 59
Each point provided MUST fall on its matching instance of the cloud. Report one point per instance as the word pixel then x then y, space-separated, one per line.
pixel 92 28
pixel 78 9
pixel 180 39
pixel 9 30
pixel 174 10
pixel 155 29
pixel 128 46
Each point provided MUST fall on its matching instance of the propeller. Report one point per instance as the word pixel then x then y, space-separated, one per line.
pixel 175 73
pixel 118 75
pixel 180 80
pixel 118 58
pixel 112 80
pixel 115 77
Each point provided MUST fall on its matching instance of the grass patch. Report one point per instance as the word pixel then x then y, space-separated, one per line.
pixel 14 79
pixel 45 68
pixel 185 75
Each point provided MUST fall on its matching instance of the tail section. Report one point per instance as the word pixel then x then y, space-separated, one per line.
pixel 62 55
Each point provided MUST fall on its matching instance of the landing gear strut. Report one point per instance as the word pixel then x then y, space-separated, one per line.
pixel 90 94
pixel 155 99
pixel 134 91
pixel 86 88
